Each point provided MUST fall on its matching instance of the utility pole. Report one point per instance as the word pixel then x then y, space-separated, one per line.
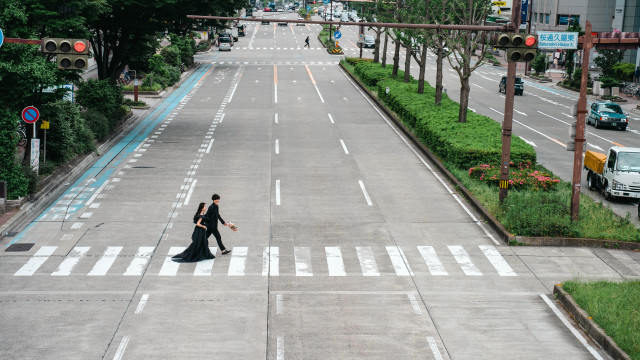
pixel 580 125
pixel 507 123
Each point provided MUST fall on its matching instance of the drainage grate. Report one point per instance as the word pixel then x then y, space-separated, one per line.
pixel 11 234
pixel 143 167
pixel 20 247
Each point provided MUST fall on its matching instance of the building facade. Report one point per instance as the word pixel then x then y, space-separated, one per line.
pixel 604 15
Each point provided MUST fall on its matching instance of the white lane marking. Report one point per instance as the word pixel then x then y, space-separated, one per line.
pixel 170 267
pixel 529 142
pixel 275 119
pixel 95 195
pixel 71 261
pixel 277 192
pixel 498 262
pixel 520 112
pixel 344 147
pixel 566 123
pixel 36 261
pixel 534 130
pixel 398 261
pixel 221 118
pixel 77 225
pixel 121 348
pixel 193 186
pixel 477 85
pixel 335 263
pixel 204 267
pixel 277 146
pixel 303 261
pixel 86 215
pixel 433 262
pixel 463 259
pixel 434 348
pixel 210 145
pixel 433 172
pixel 367 261
pixel 566 323
pixel 271 261
pixel 142 303
pixel 103 265
pixel 364 191
pixel 414 304
pixel 318 90
pixel 280 348
pixel 136 267
pixel 331 118
pixel 279 304
pixel 233 92
pixel 238 261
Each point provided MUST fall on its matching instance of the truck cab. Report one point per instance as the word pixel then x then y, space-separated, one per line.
pixel 617 173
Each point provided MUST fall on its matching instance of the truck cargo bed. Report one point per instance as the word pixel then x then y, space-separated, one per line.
pixel 594 161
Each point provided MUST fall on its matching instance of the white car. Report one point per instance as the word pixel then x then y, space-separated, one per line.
pixel 300 19
pixel 224 45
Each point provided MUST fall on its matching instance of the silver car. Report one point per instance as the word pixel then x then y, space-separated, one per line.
pixel 369 41
pixel 225 45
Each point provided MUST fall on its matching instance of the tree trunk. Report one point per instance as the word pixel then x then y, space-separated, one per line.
pixel 407 65
pixel 439 60
pixel 396 59
pixel 376 49
pixel 423 67
pixel 384 51
pixel 464 99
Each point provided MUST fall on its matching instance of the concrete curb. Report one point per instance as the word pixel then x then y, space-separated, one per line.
pixel 68 174
pixel 592 329
pixel 505 235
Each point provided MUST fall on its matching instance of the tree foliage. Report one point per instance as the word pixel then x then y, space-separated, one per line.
pixel 607 59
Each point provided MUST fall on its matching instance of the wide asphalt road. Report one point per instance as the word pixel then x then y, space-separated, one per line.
pixel 350 244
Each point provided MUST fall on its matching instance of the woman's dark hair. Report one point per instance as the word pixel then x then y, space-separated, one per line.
pixel 215 197
pixel 195 217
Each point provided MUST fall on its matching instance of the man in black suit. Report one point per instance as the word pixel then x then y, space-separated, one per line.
pixel 213 215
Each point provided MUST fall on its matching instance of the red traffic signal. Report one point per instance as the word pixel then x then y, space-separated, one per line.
pixel 530 40
pixel 79 46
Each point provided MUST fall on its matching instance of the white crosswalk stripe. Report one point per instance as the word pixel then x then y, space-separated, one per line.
pixel 368 258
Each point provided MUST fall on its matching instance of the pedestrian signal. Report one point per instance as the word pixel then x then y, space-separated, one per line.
pixel 71 54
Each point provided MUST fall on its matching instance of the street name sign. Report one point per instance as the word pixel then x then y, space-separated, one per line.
pixel 557 40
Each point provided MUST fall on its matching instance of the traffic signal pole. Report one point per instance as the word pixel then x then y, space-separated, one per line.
pixel 580 126
pixel 507 123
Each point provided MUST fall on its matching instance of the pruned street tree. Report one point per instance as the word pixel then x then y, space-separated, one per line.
pixel 463 43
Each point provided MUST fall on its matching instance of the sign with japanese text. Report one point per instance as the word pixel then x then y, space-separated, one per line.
pixel 557 40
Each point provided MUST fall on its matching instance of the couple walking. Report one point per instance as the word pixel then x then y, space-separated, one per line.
pixel 206 220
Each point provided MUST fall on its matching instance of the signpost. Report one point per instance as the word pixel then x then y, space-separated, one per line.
pixel 30 115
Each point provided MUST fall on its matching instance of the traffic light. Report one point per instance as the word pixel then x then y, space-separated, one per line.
pixel 520 47
pixel 71 54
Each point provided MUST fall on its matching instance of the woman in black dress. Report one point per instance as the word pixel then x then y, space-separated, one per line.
pixel 199 248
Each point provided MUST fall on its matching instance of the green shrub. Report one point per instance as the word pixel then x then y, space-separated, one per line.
pixel 97 122
pixel 539 64
pixel 32 179
pixel 624 71
pixel 187 48
pixel 174 74
pixel 171 55
pixel 68 134
pixel 102 96
pixel 10 171
pixel 538 213
pixel 521 176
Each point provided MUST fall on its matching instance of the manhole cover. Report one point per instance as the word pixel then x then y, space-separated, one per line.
pixel 20 247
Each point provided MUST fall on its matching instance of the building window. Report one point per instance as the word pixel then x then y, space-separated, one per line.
pixel 541 18
pixel 546 18
pixel 567 19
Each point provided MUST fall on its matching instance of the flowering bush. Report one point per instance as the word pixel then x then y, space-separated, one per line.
pixel 521 176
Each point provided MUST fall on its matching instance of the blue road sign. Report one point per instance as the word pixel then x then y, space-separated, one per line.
pixel 308 8
pixel 30 114
pixel 1 37
pixel 337 35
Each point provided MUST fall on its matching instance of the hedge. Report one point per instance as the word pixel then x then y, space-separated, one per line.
pixel 478 141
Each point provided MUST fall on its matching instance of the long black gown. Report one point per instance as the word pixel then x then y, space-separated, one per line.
pixel 199 248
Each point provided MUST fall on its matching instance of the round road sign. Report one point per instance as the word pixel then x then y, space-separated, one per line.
pixel 30 114
pixel 337 34
pixel 1 37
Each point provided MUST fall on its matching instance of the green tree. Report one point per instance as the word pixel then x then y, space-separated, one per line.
pixel 539 64
pixel 607 59
pixel 574 26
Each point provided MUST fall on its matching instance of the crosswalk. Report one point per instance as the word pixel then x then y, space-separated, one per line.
pixel 371 261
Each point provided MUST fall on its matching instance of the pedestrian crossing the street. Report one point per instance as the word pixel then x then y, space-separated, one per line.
pixel 332 261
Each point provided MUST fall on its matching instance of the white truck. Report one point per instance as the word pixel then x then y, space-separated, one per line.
pixel 234 33
pixel 616 174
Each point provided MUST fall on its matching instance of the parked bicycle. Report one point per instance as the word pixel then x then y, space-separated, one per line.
pixel 630 89
pixel 21 134
pixel 124 79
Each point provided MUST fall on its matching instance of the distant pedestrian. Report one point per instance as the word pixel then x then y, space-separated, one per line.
pixel 213 216
pixel 306 42
pixel 637 74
